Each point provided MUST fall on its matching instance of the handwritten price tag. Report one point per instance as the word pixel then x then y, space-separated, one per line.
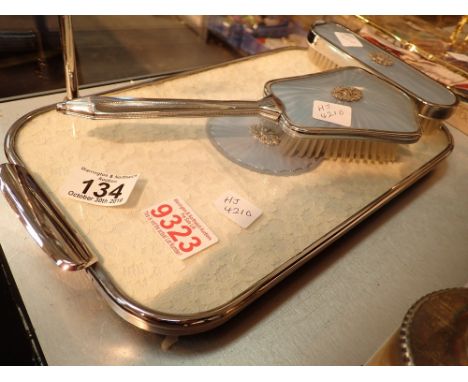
pixel 180 228
pixel 332 112
pixel 239 210
pixel 348 39
pixel 98 187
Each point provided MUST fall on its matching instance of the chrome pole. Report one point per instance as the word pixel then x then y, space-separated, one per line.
pixel 69 56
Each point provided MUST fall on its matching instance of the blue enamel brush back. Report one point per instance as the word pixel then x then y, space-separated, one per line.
pixel 383 107
pixel 401 73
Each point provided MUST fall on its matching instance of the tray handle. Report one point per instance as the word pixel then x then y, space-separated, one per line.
pixel 42 219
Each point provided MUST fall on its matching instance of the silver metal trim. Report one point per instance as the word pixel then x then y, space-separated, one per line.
pixel 42 220
pixel 69 56
pixel 426 109
pixel 159 322
pixel 12 133
pixel 100 107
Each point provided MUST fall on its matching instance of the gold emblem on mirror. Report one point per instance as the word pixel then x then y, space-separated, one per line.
pixel 265 135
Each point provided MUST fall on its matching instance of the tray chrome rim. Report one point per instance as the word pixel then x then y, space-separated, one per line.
pixel 161 323
pixel 178 324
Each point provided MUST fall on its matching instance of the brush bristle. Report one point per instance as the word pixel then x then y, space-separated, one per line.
pixel 345 149
pixel 428 126
pixel 321 61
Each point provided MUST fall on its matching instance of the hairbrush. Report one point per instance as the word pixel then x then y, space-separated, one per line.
pixel 344 113
pixel 333 45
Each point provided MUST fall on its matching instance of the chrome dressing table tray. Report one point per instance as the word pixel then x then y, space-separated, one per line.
pixel 130 265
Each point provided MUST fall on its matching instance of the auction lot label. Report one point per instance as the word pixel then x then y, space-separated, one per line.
pixel 180 228
pixel 98 187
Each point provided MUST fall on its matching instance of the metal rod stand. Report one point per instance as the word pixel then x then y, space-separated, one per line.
pixel 69 56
